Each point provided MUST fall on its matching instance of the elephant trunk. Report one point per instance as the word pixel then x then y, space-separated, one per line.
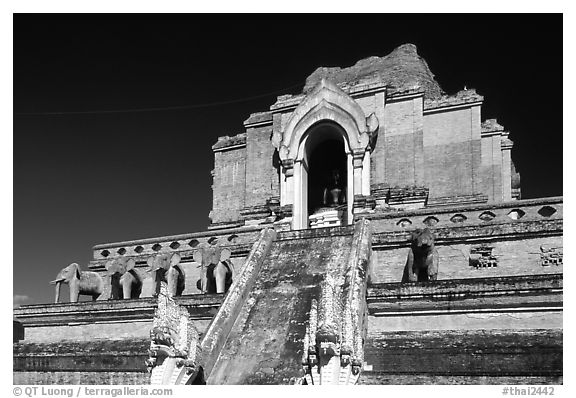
pixel 58 286
pixel 172 281
pixel 220 275
pixel 127 289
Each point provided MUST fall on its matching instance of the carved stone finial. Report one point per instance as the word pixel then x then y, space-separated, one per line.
pixel 372 124
pixel 277 139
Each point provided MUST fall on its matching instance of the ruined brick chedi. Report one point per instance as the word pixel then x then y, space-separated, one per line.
pixel 367 230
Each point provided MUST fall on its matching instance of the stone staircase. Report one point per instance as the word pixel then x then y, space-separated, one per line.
pixel 269 340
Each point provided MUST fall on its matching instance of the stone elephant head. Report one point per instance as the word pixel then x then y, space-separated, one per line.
pixel 125 282
pixel 80 282
pixel 166 269
pixel 216 268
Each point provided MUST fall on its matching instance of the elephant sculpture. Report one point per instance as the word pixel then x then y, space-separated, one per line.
pixel 87 283
pixel 125 282
pixel 216 268
pixel 165 266
pixel 422 261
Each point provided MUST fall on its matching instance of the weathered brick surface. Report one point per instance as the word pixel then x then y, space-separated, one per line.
pixel 82 362
pixel 82 378
pixel 491 167
pixel 521 319
pixel 97 331
pixel 399 162
pixel 448 127
pixel 222 323
pixel 425 138
pixel 451 153
pixel 97 355
pixel 520 303
pixel 229 184
pixel 421 357
pixel 462 97
pixel 266 343
pixel 89 332
pixel 382 378
pixel 398 157
pixel 261 175
pixel 402 68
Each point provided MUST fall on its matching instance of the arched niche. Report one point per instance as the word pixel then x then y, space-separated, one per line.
pixel 309 168
pixel 327 113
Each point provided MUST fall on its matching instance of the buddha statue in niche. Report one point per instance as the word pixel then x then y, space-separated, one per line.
pixel 334 193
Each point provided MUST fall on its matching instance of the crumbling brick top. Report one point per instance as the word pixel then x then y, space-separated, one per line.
pixel 227 141
pixel 506 143
pixel 465 96
pixel 258 117
pixel 402 68
pixel 491 125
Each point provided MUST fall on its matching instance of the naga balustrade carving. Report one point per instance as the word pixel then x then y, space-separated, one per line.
pixel 333 352
pixel 175 351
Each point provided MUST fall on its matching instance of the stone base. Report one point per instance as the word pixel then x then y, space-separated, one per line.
pixel 457 200
pixel 408 204
pixel 284 224
pixel 327 217
pixel 399 198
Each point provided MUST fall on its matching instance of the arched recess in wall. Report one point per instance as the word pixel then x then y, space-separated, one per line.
pixel 323 150
pixel 326 105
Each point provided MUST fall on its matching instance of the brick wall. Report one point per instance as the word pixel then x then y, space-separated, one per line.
pixel 452 152
pixel 517 257
pixel 491 167
pixel 399 145
pixel 229 184
pixel 83 378
pixel 464 357
pixel 262 179
pixel 82 362
pixel 89 332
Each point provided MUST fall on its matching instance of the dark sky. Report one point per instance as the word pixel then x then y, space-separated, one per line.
pixel 84 179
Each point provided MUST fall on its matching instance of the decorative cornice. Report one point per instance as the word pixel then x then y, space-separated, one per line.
pixel 106 311
pixel 553 200
pixel 510 293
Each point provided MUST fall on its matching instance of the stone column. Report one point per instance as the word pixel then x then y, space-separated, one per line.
pixel 287 185
pixel 350 188
pixel 366 173
pixel 299 213
pixel 357 163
